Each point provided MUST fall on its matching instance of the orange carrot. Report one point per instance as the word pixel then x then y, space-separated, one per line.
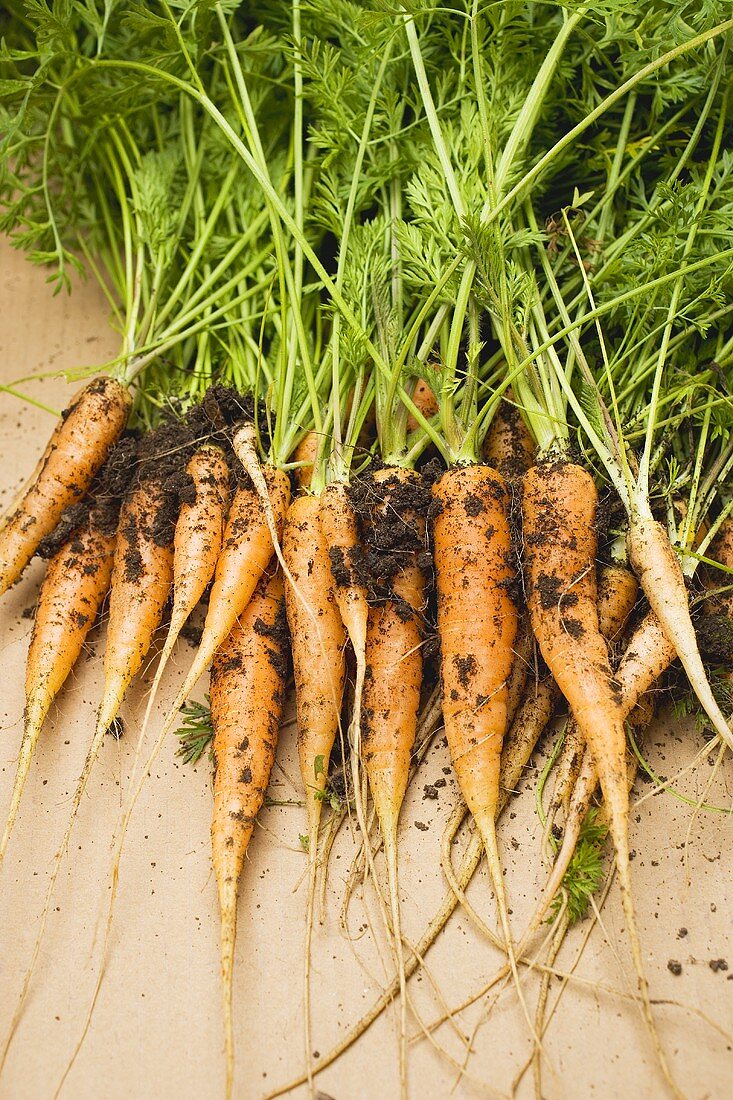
pixel 318 645
pixel 306 455
pixel 473 555
pixel 617 592
pixel 142 573
pixel 197 545
pixel 76 582
pixel 341 533
pixel 559 510
pixel 392 685
pixel 77 450
pixel 318 648
pixel 424 399
pixel 340 528
pixel 647 655
pixel 247 693
pixel 509 447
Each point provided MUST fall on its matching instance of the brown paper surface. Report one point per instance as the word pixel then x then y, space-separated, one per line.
pixel 157 1030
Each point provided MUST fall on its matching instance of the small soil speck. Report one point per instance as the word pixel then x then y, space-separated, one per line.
pixel 674 967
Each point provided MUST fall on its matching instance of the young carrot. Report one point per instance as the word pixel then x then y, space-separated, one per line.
pixel 142 574
pixel 648 654
pixel 80 553
pixel 559 511
pixel 78 448
pixel 318 649
pixel 340 528
pixel 425 401
pixel 245 555
pixel 473 554
pixel 76 582
pixel 305 457
pixel 660 575
pixel 197 545
pixel 392 685
pixel 617 592
pixel 509 447
pixel 318 644
pixel 247 694
pixel 341 533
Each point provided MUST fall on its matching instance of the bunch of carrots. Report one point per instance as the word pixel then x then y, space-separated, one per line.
pixel 425 392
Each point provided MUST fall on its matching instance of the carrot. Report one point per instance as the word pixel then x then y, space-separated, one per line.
pixel 660 575
pixel 318 648
pixel 477 627
pixel 341 533
pixel 509 447
pixel 648 654
pixel 76 582
pixel 247 694
pixel 305 456
pixel 340 528
pixel 559 511
pixel 142 573
pixel 424 399
pixel 78 448
pixel 318 645
pixel 392 693
pixel 245 555
pixel 617 591
pixel 197 544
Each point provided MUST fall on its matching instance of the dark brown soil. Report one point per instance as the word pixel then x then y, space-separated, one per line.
pixel 279 653
pixel 715 637
pixel 102 502
pixel 393 515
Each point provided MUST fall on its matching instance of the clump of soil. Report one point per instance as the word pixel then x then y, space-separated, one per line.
pixel 715 637
pixel 103 501
pixel 393 516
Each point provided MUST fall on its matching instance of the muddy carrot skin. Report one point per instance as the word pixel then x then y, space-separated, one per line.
pixel 559 506
pixel 247 694
pixel 78 448
pixel 318 643
pixel 509 447
pixel 477 634
pixel 392 685
pixel 76 582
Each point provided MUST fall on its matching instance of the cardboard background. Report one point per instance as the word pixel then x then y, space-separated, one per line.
pixel 157 1028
